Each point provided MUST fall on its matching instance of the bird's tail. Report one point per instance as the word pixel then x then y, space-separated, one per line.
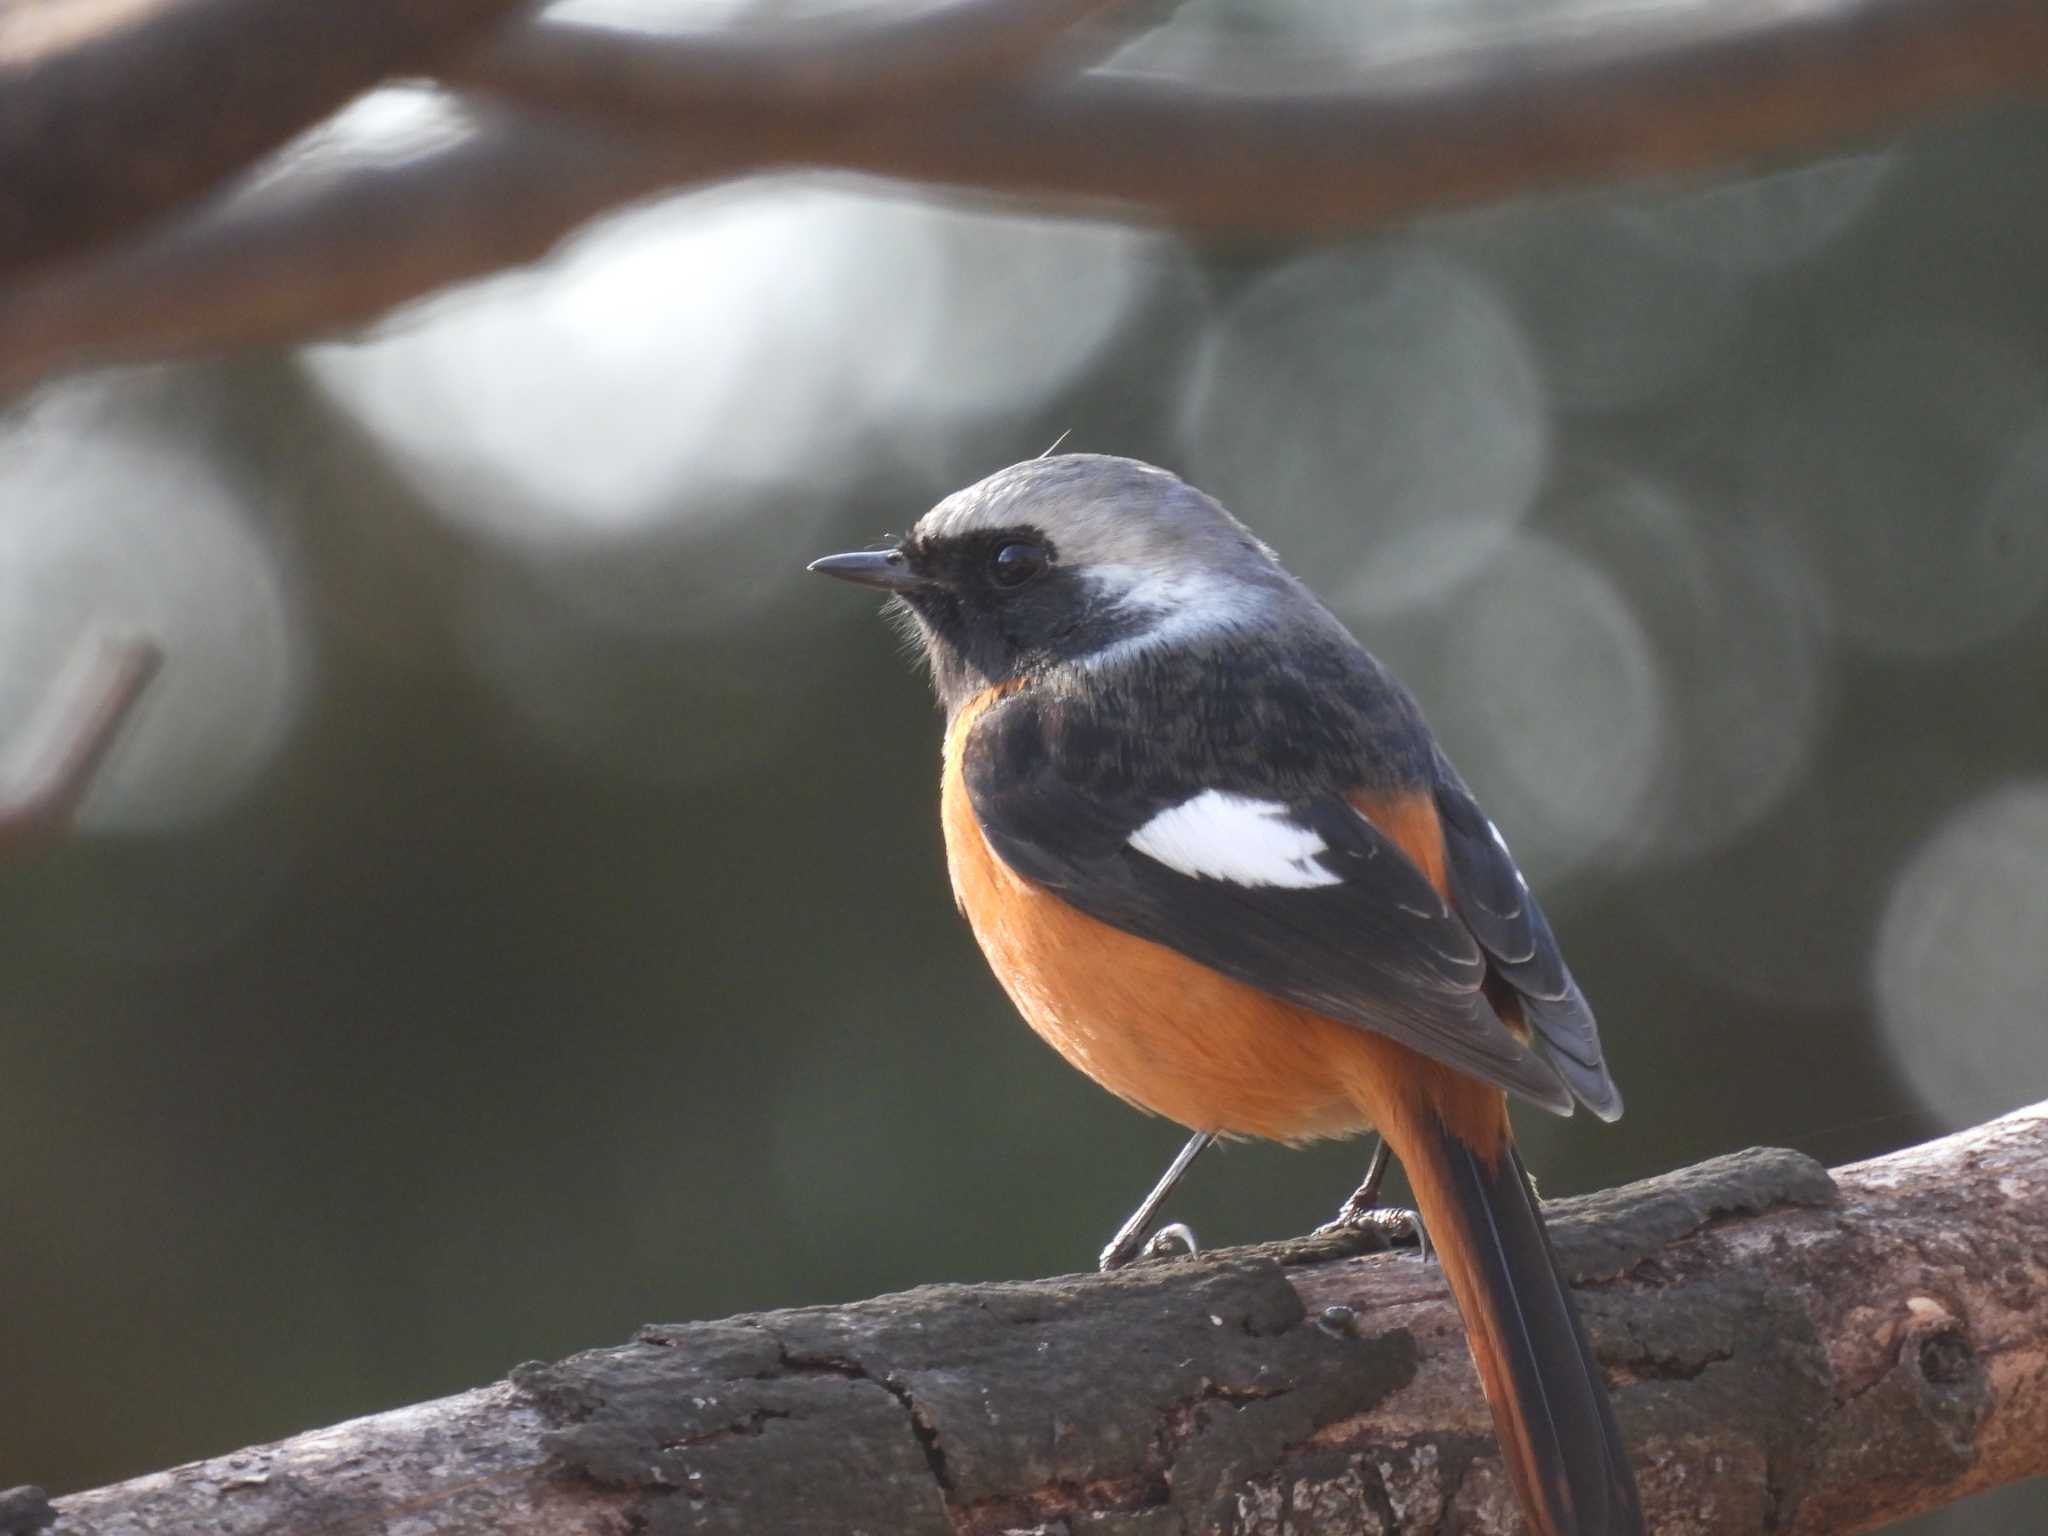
pixel 1556 1427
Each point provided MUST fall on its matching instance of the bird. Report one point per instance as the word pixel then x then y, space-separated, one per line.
pixel 1217 860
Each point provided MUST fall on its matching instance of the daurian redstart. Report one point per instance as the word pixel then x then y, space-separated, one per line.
pixel 1219 862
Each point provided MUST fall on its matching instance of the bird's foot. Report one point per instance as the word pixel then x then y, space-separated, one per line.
pixel 1393 1226
pixel 1175 1240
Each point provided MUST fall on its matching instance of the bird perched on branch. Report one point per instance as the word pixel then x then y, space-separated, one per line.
pixel 1218 861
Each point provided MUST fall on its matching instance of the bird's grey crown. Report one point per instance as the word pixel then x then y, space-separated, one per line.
pixel 1105 512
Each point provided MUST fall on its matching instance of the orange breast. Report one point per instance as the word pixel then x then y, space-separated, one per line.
pixel 1148 1024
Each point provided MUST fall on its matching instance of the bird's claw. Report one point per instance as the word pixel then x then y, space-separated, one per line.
pixel 1394 1226
pixel 1175 1240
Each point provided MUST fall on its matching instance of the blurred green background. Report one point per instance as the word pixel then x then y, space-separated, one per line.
pixel 517 913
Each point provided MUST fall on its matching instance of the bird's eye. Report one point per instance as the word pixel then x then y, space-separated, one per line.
pixel 1016 564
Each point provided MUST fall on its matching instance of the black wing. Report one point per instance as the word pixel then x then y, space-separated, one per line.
pixel 1494 901
pixel 1371 944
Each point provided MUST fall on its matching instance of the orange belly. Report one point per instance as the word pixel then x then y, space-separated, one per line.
pixel 1171 1035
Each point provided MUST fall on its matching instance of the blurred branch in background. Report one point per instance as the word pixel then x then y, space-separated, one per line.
pixel 305 255
pixel 1561 93
pixel 1793 1354
pixel 291 260
pixel 119 673
pixel 1550 93
pixel 112 115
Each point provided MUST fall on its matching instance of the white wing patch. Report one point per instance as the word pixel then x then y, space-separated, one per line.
pixel 1221 836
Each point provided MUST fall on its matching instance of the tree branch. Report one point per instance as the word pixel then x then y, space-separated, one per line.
pixel 302 257
pixel 120 673
pixel 1566 92
pixel 1789 1354
pixel 113 113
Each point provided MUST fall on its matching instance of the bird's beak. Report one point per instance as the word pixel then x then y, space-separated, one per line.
pixel 884 568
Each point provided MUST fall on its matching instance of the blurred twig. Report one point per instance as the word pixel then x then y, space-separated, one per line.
pixel 119 673
pixel 1820 1357
pixel 112 114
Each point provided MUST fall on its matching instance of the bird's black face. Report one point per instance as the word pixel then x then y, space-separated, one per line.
pixel 988 605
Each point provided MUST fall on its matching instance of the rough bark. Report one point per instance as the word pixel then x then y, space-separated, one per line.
pixel 1789 1351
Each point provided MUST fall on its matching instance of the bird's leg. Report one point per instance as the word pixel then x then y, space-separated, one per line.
pixel 1366 1197
pixel 1362 1212
pixel 1129 1242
